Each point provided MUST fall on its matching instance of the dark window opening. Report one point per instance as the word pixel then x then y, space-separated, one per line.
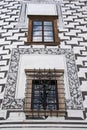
pixel 44 95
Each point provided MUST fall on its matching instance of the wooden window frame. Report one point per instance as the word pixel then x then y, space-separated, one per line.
pixel 53 19
pixel 28 95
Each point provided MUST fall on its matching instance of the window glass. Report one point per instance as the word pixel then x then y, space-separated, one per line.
pixel 42 31
pixel 37 39
pixel 48 33
pixel 48 28
pixel 47 23
pixel 37 23
pixel 37 33
pixel 48 39
pixel 38 28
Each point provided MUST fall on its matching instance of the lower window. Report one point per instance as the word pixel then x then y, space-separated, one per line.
pixel 44 93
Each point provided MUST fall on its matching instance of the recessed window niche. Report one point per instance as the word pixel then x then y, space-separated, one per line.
pixel 25 58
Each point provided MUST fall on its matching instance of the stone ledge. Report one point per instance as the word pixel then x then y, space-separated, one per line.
pixel 73 114
pixel 3 114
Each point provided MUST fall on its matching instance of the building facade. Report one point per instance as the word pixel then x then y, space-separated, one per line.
pixel 43 64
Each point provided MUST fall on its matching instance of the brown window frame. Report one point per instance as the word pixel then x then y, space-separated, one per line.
pixel 53 19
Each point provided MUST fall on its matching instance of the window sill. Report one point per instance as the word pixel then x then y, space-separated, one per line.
pixel 43 43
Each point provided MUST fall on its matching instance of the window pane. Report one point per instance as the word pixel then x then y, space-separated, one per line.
pixel 48 33
pixel 48 28
pixel 37 28
pixel 37 33
pixel 37 23
pixel 36 93
pixel 37 39
pixel 52 107
pixel 36 106
pixel 51 93
pixel 47 23
pixel 48 39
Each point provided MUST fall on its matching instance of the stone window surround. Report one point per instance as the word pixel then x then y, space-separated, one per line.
pixel 9 101
pixel 58 76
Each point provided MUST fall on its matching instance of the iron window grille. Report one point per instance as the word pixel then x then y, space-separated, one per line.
pixel 44 95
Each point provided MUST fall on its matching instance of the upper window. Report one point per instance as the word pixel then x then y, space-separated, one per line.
pixel 43 30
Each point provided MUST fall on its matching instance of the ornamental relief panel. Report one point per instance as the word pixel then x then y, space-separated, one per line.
pixel 9 101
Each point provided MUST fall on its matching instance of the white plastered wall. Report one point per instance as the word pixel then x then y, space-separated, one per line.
pixel 41 9
pixel 45 9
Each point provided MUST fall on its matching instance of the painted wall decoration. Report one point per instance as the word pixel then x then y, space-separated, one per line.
pixel 9 101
